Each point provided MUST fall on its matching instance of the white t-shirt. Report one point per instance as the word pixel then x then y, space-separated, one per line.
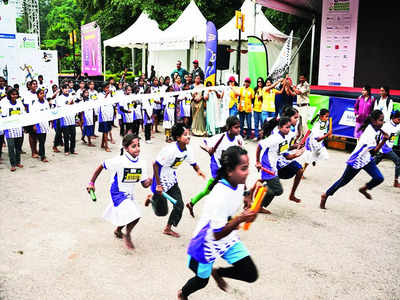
pixel 168 160
pixel 392 130
pixel 127 105
pixel 221 205
pixel 42 127
pixel 29 99
pixel 291 139
pixel 319 130
pixel 361 156
pixel 185 99
pixel 169 112
pixel 271 149
pixel 62 101
pixel 125 171
pixel 385 106
pixel 156 98
pixel 7 110
pixel 106 112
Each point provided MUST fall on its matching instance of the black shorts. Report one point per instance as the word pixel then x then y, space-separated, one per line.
pixel 29 129
pixel 289 171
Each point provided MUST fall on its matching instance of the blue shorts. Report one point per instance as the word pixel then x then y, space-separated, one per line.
pixel 290 170
pixel 104 127
pixel 234 254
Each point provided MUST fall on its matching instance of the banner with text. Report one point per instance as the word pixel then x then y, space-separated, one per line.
pixel 91 49
pixel 343 118
pixel 211 53
pixel 257 58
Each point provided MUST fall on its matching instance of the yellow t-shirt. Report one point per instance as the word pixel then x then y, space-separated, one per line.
pixel 233 99
pixel 269 100
pixel 245 99
pixel 257 102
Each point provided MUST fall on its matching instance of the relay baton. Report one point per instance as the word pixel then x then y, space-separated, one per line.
pixel 169 198
pixel 92 195
pixel 267 171
pixel 203 193
pixel 256 205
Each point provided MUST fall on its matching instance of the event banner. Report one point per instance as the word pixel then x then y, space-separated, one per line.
pixel 338 42
pixel 257 58
pixel 396 106
pixel 8 44
pixel 27 41
pixel 211 53
pixel 281 65
pixel 343 118
pixel 317 102
pixel 91 49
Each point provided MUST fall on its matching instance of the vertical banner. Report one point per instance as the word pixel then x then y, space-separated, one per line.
pixel 211 53
pixel 341 111
pixel 338 42
pixel 91 49
pixel 281 65
pixel 257 58
pixel 8 30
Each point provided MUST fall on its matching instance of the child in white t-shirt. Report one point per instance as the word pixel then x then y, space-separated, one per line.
pixel 126 170
pixel 165 179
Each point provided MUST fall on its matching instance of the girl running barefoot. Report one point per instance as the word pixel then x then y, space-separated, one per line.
pixel 315 149
pixel 216 145
pixel 289 168
pixel 126 170
pixel 362 157
pixel 268 152
pixel 165 180
pixel 216 233
pixel 392 128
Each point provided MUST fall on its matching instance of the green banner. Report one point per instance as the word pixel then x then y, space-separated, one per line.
pixel 316 103
pixel 257 59
pixel 396 106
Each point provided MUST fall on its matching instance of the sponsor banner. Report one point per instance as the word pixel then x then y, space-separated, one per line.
pixel 91 49
pixel 257 58
pixel 27 41
pixel 8 31
pixel 211 53
pixel 343 118
pixel 316 103
pixel 338 42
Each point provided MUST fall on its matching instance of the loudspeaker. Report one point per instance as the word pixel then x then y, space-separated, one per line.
pixel 223 57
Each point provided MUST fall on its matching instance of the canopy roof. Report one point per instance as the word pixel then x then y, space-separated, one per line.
pixel 257 25
pixel 301 8
pixel 191 24
pixel 137 33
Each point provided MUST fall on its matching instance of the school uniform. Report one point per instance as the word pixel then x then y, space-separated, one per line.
pixel 220 206
pixel 168 160
pixel 316 150
pixel 68 123
pixel 42 128
pixel 185 100
pixel 156 98
pixel 127 112
pixel 222 142
pixel 106 114
pixel 169 112
pixel 125 171
pixel 88 120
pixel 361 158
pixel 28 101
pixel 137 116
pixel 147 110
pixel 1 131
pixel 14 136
pixel 271 149
pixel 393 130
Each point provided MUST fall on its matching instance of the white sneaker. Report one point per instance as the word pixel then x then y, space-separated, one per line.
pixel 148 142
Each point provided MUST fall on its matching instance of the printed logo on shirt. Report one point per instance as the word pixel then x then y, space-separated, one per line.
pixel 178 161
pixel 283 147
pixel 132 175
pixel 323 125
pixel 14 112
pixel 171 105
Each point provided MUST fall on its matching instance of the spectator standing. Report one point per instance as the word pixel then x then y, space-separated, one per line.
pixel 181 71
pixel 384 103
pixel 303 100
pixel 363 108
pixel 197 70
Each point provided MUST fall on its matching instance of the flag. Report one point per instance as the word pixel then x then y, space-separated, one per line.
pixel 211 53
pixel 281 65
pixel 257 58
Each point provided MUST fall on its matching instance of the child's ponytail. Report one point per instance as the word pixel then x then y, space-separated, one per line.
pixel 268 126
pixel 395 114
pixel 373 116
pixel 321 113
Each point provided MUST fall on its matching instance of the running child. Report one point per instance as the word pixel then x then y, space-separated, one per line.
pixel 362 157
pixel 125 170
pixel 216 145
pixel 169 114
pixel 315 148
pixel 391 128
pixel 268 152
pixel 216 232
pixel 165 179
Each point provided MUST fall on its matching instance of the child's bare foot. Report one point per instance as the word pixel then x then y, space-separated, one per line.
pixel 323 201
pixel 20 166
pixel 180 296
pixel 74 153
pixel 66 153
pixel 396 183
pixel 91 145
pixel 34 155
pixel 45 160
pixel 363 190
pixel 148 200
pixel 128 241
pixel 219 280
pixel 83 140
pixel 107 149
pixel 118 234
pixel 13 169
pixel 190 208
pixel 112 141
pixel 169 231
pixel 55 149
pixel 264 211
pixel 294 199
pixel 303 177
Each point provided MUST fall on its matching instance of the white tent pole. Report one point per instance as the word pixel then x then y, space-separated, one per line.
pixel 143 59
pixel 255 18
pixel 133 60
pixel 104 71
pixel 312 50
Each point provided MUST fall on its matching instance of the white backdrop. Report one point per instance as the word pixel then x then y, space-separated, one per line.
pixel 8 30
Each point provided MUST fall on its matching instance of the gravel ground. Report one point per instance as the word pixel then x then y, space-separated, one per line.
pixel 55 245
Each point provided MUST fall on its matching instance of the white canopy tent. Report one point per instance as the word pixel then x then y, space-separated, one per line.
pixel 257 24
pixel 180 41
pixel 136 36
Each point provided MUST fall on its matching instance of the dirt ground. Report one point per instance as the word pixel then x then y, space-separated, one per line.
pixel 55 244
